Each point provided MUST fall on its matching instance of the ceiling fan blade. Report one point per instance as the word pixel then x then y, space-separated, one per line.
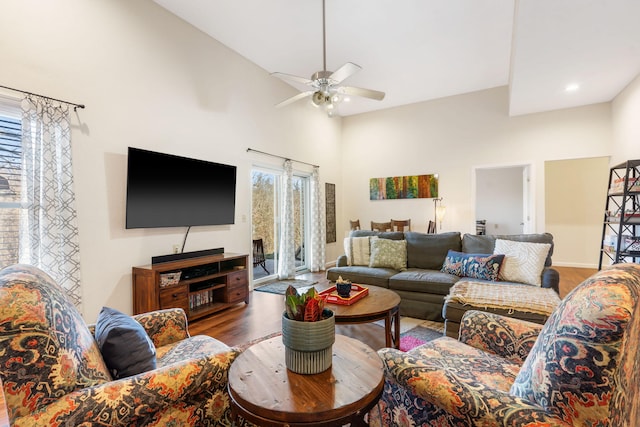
pixel 295 98
pixel 365 93
pixel 345 71
pixel 292 78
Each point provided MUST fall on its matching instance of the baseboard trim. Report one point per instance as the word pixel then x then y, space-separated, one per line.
pixel 573 265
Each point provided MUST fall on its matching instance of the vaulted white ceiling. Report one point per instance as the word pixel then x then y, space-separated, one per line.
pixel 418 50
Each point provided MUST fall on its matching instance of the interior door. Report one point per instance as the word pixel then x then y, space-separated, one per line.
pixel 502 199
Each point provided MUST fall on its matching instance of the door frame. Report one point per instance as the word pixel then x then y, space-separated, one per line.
pixel 528 194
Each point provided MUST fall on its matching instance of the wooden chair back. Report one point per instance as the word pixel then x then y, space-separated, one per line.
pixel 381 226
pixel 400 224
pixel 354 225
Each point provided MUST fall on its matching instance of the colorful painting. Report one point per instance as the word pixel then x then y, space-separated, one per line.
pixel 404 187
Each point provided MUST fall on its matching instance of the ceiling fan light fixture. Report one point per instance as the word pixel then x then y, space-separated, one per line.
pixel 319 98
pixel 326 89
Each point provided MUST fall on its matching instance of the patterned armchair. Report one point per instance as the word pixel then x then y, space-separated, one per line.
pixel 583 369
pixel 53 373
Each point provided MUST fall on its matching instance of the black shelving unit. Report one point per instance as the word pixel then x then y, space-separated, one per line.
pixel 620 238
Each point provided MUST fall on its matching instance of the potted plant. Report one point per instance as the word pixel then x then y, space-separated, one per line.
pixel 308 332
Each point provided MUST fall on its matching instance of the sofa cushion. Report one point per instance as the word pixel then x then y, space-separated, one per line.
pixel 429 250
pixel 475 266
pixel 523 262
pixel 424 281
pixel 392 235
pixel 388 253
pixel 362 275
pixel 125 346
pixel 484 244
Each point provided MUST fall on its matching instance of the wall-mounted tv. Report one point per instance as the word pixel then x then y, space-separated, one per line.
pixel 164 190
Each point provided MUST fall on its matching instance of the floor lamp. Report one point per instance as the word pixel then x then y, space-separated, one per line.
pixel 439 212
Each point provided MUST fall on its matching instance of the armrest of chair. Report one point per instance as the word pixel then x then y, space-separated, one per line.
pixel 551 279
pixel 504 336
pixel 341 261
pixel 164 326
pixel 421 391
pixel 134 400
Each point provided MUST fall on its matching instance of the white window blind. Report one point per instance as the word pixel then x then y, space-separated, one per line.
pixel 10 179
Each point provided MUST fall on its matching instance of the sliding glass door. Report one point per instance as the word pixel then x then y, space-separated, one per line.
pixel 265 221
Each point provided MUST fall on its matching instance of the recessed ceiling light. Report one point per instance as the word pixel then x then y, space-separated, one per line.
pixel 572 87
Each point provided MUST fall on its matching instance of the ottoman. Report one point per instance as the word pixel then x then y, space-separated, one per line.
pixel 520 301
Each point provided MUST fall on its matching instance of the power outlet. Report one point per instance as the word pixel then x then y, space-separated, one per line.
pixel 176 249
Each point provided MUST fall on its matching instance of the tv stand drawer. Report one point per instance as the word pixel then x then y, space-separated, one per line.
pixel 175 297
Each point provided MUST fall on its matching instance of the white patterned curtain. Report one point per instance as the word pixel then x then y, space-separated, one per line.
pixel 48 229
pixel 286 250
pixel 318 225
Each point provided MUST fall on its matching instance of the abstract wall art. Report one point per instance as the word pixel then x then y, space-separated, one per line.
pixel 404 187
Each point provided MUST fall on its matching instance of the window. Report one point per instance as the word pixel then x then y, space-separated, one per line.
pixel 10 179
pixel 266 219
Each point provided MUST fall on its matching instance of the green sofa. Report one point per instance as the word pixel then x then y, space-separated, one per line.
pixel 422 286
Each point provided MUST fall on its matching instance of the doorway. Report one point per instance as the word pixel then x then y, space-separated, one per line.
pixel 266 220
pixel 502 199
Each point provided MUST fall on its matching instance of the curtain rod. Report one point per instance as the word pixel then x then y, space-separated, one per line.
pixel 281 157
pixel 75 106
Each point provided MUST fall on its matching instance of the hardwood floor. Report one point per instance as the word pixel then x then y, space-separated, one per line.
pixel 262 316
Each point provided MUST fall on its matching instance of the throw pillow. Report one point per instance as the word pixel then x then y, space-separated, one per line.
pixel 125 346
pixel 475 266
pixel 523 262
pixel 357 250
pixel 389 253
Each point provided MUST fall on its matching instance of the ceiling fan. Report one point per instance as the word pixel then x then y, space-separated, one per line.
pixel 325 89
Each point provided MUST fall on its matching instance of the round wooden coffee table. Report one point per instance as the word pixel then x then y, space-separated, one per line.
pixel 266 393
pixel 379 304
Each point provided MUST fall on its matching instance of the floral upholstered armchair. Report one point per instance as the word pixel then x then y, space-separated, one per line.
pixel 582 368
pixel 53 373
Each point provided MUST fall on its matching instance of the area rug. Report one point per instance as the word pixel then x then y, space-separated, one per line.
pixel 422 332
pixel 280 287
pixel 413 332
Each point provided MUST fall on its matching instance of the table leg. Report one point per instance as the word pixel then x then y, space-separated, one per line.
pixel 396 323
pixel 392 338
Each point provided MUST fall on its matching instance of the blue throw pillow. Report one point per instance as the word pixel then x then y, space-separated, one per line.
pixel 475 266
pixel 125 346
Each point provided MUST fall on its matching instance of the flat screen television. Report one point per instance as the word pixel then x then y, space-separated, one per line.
pixel 164 190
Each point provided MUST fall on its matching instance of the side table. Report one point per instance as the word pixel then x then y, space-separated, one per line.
pixel 266 393
pixel 379 304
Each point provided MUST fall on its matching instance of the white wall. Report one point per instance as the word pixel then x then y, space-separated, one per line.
pixel 499 199
pixel 152 81
pixel 451 136
pixel 625 114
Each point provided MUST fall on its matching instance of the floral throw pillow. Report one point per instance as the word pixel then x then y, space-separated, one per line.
pixel 523 262
pixel 389 253
pixel 475 266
